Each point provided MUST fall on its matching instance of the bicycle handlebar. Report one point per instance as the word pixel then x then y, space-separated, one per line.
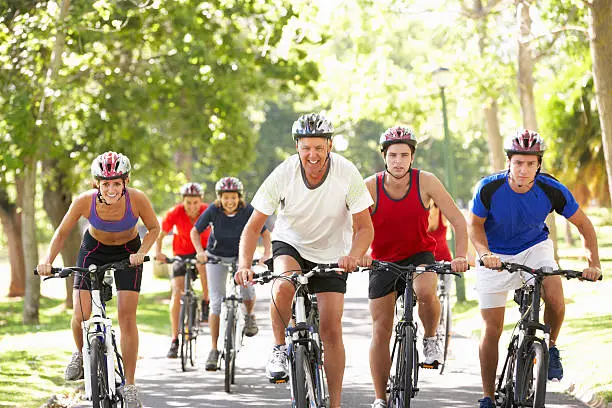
pixel 441 268
pixel 192 261
pixel 320 270
pixel 66 271
pixel 512 267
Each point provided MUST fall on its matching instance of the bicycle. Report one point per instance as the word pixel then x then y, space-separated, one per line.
pixel 189 315
pixel 304 346
pixel 404 355
pixel 446 318
pixel 522 382
pixel 231 322
pixel 103 367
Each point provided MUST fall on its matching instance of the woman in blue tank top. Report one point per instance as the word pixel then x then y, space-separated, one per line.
pixel 113 211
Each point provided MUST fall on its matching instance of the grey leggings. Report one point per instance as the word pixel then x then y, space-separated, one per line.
pixel 217 280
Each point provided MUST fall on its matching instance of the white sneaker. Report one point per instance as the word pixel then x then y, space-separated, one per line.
pixel 379 403
pixel 130 397
pixel 432 350
pixel 277 368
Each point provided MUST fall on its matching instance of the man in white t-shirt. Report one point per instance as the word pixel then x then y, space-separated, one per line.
pixel 322 205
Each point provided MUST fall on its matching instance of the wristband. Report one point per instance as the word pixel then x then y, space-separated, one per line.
pixel 483 255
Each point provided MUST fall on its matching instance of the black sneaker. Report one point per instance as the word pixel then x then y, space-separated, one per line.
pixel 173 352
pixel 212 362
pixel 205 310
pixel 555 368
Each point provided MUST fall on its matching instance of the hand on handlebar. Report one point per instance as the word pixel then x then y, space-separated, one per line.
pixel 202 257
pixel 491 261
pixel 243 276
pixel 161 258
pixel 351 263
pixel 137 258
pixel 591 273
pixel 44 269
pixel 459 264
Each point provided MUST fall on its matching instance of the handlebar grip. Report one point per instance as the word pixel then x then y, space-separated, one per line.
pixel 147 258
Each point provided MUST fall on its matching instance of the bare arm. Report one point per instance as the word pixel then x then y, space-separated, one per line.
pixel 79 208
pixel 267 243
pixel 363 234
pixel 248 243
pixel 159 255
pixel 196 240
pixel 481 244
pixel 589 242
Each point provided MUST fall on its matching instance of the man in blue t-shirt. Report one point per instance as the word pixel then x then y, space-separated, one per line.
pixel 507 223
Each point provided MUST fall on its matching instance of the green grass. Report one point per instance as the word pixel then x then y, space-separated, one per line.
pixel 28 378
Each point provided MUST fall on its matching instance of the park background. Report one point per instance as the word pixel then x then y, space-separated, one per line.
pixel 196 90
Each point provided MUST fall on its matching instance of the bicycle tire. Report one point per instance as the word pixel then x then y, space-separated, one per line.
pixel 99 375
pixel 446 321
pixel 306 393
pixel 532 373
pixel 194 327
pixel 184 333
pixel 229 348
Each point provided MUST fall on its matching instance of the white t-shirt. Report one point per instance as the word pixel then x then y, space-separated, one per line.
pixel 317 222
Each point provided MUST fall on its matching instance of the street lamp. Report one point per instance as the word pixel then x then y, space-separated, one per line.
pixel 443 78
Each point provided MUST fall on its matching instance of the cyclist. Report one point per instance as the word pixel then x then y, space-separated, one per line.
pixel 402 197
pixel 113 210
pixel 182 218
pixel 507 223
pixel 226 217
pixel 318 196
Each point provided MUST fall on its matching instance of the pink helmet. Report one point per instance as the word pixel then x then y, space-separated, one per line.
pixel 525 142
pixel 228 185
pixel 110 165
pixel 397 134
pixel 192 190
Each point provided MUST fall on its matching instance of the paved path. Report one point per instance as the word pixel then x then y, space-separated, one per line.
pixel 163 384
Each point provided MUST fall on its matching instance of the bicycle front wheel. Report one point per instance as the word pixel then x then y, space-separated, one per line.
pixel 184 333
pixel 444 329
pixel 305 381
pixel 98 375
pixel 230 349
pixel 532 373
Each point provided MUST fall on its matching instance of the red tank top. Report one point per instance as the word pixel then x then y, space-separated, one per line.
pixel 400 226
pixel 442 252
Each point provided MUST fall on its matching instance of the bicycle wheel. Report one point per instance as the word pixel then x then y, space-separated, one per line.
pixel 444 329
pixel 99 375
pixel 184 333
pixel 194 327
pixel 229 351
pixel 305 383
pixel 531 375
pixel 412 365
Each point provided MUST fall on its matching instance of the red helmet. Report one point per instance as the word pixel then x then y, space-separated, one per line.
pixel 228 185
pixel 110 165
pixel 525 142
pixel 397 134
pixel 192 190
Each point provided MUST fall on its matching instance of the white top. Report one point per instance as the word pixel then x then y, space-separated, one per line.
pixel 317 222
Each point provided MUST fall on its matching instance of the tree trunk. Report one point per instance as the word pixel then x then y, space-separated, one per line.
pixel 525 88
pixel 11 224
pixel 56 201
pixel 32 294
pixel 601 53
pixel 496 151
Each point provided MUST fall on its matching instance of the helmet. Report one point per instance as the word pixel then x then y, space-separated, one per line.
pixel 397 134
pixel 312 125
pixel 110 165
pixel 525 142
pixel 192 190
pixel 227 185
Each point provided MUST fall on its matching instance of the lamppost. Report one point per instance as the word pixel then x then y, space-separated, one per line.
pixel 443 77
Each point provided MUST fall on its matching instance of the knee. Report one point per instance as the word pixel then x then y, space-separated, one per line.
pixel 427 296
pixel 127 323
pixel 381 332
pixel 331 336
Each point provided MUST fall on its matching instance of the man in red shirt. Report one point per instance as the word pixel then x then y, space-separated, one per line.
pixel 182 218
pixel 402 198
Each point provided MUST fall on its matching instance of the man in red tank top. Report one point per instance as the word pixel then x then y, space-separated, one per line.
pixel 402 196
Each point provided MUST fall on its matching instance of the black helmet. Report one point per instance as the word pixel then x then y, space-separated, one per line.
pixel 312 125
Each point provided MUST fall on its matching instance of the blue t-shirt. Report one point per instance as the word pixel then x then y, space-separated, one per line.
pixel 516 221
pixel 225 230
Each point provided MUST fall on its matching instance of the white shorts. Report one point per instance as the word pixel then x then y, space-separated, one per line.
pixel 493 286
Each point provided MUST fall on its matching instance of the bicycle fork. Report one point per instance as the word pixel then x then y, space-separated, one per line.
pixel 98 327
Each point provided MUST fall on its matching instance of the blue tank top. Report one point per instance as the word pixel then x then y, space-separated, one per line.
pixel 124 224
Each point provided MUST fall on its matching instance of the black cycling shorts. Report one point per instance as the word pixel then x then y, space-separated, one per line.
pixel 384 282
pixel 179 268
pixel 315 284
pixel 93 252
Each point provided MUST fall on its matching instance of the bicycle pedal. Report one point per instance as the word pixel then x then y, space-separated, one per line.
pixel 431 366
pixel 279 381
